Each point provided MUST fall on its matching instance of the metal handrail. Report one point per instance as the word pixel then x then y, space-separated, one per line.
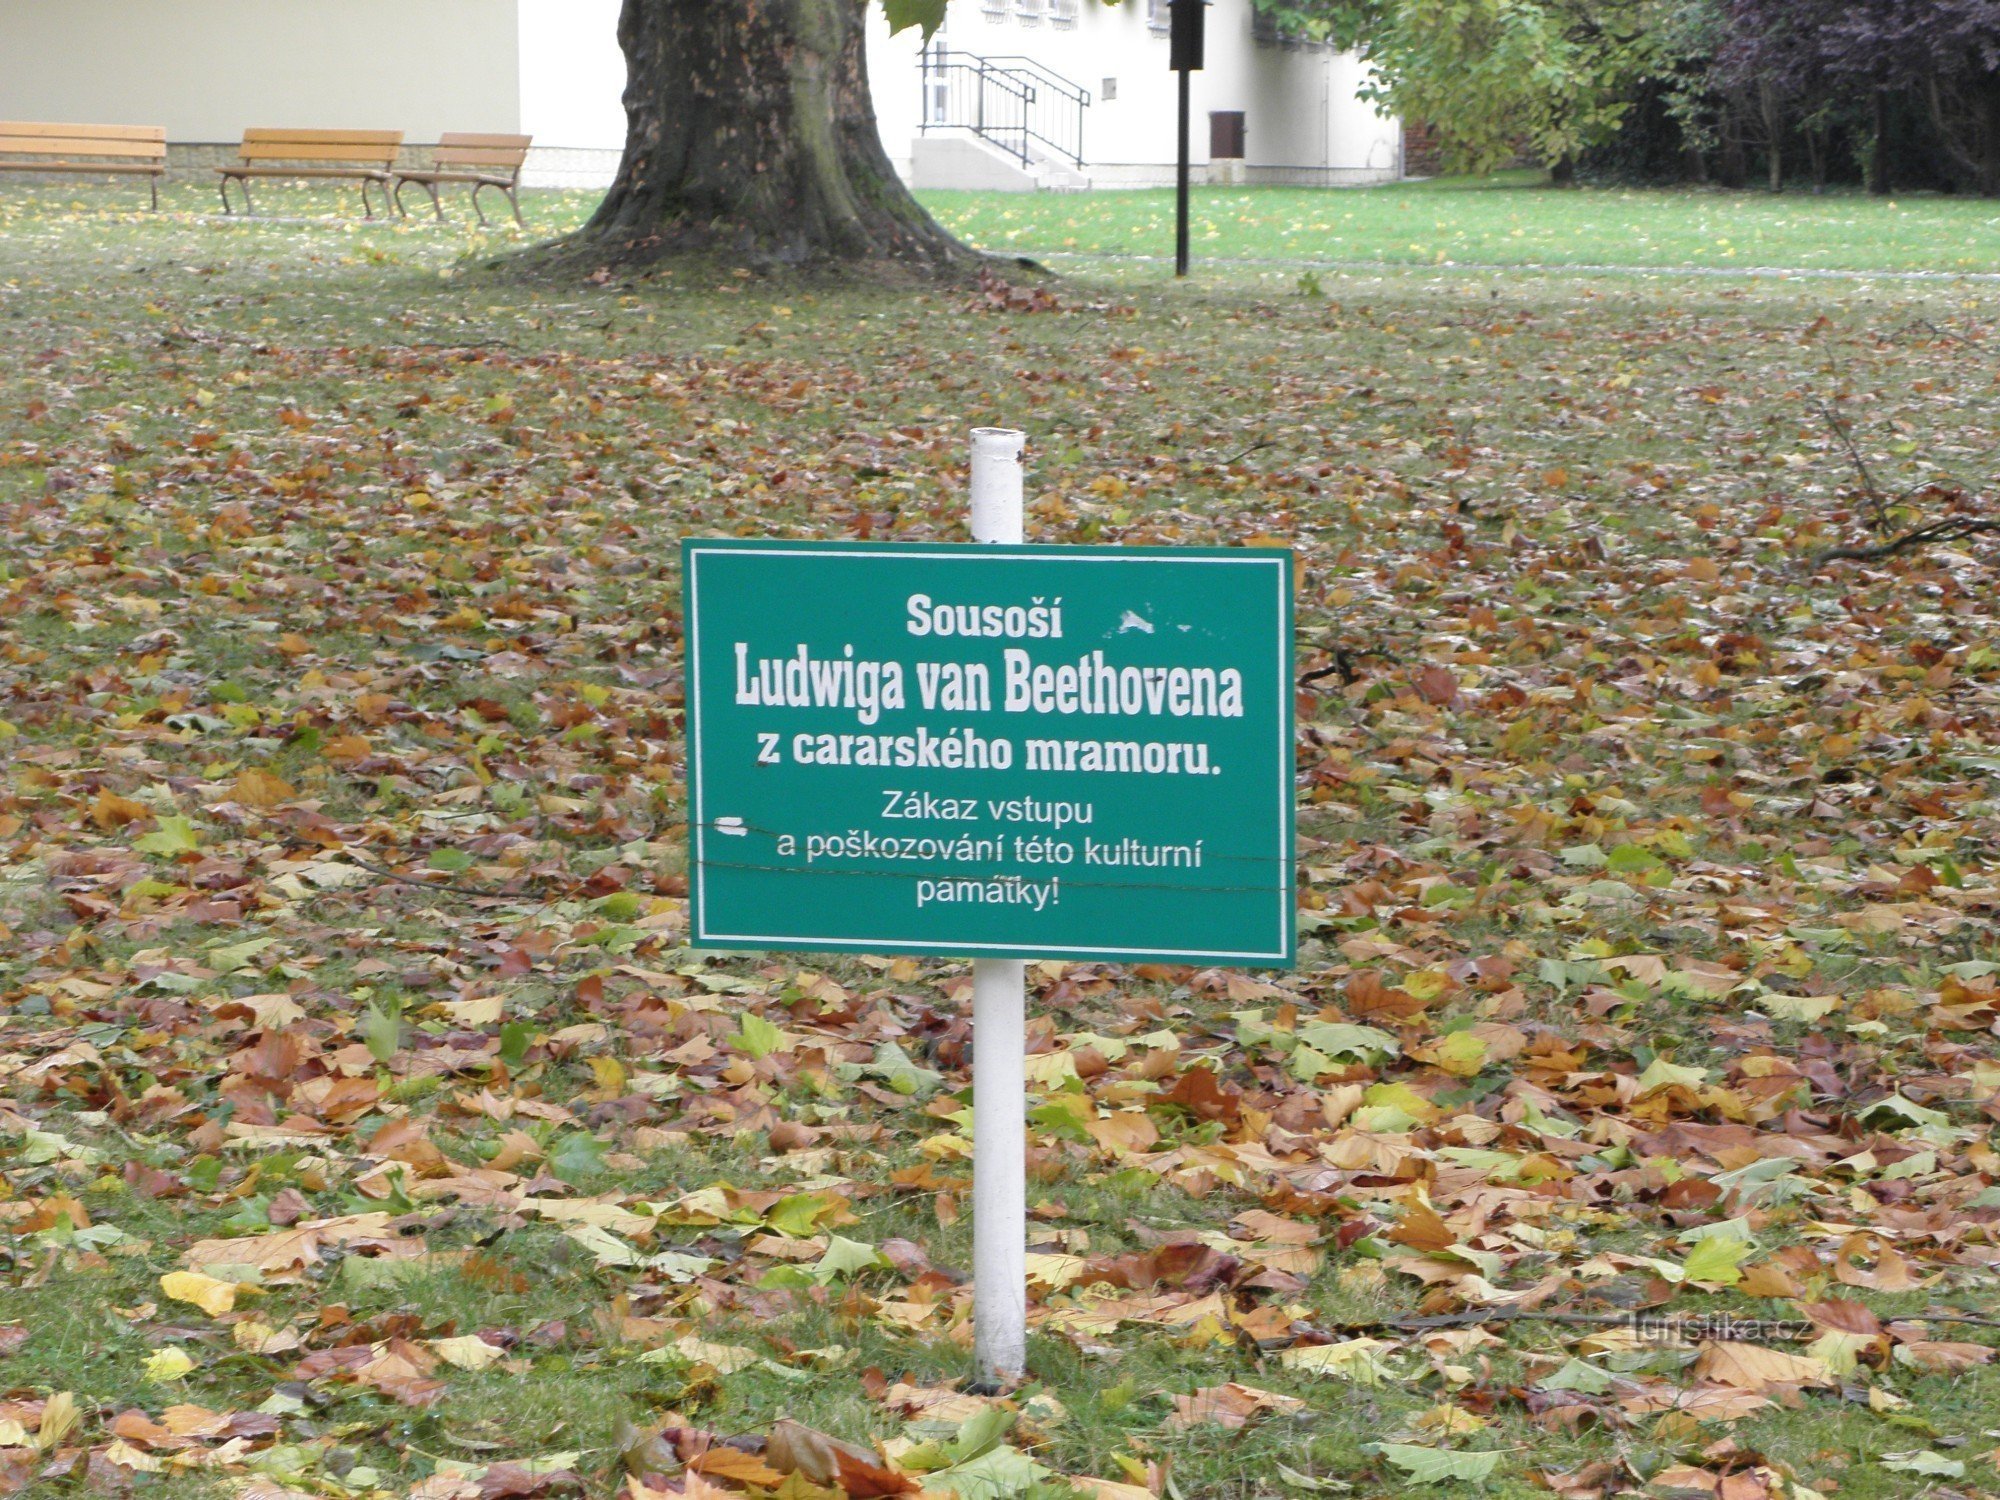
pixel 1013 103
pixel 1018 64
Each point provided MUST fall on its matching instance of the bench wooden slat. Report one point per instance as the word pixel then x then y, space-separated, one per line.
pixel 137 169
pixel 36 128
pixel 456 138
pixel 379 156
pixel 299 169
pixel 477 156
pixel 80 145
pixel 264 133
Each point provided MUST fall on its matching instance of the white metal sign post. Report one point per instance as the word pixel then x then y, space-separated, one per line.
pixel 999 1034
pixel 1114 724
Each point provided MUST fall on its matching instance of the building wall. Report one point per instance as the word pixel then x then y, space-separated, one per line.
pixel 572 91
pixel 206 69
pixel 1303 119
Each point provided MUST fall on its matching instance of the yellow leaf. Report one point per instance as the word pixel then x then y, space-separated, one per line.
pixel 1840 1350
pixel 1054 1271
pixel 1661 1074
pixel 168 1365
pixel 59 1418
pixel 1425 984
pixel 260 789
pixel 481 1010
pixel 213 1297
pixel 1352 1359
pixel 1461 1054
pixel 725 1359
pixel 468 1352
pixel 1752 1367
pixel 610 1075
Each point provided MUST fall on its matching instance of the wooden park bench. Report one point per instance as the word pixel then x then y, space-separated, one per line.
pixel 485 161
pixel 362 156
pixel 127 150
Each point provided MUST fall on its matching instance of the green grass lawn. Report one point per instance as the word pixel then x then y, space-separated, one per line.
pixel 1510 219
pixel 1513 219
pixel 1648 882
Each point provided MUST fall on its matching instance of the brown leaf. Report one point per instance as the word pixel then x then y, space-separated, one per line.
pixel 1752 1367
pixel 1231 1406
pixel 733 1464
pixel 1437 685
pixel 1889 1273
pixel 795 1448
pixel 1944 1358
pixel 1844 1315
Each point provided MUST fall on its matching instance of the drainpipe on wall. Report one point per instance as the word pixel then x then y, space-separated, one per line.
pixel 1326 115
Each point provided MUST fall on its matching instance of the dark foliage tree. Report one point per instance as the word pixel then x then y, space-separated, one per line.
pixel 1873 57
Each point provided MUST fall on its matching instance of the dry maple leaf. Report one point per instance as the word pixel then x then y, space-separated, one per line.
pixel 1752 1367
pixel 1231 1406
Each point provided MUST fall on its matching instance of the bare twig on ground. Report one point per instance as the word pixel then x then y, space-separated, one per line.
pixel 1951 529
pixel 1245 453
pixel 1877 501
pixel 1480 1316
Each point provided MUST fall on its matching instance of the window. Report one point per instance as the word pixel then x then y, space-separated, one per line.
pixel 1029 11
pixel 993 10
pixel 1160 14
pixel 1109 91
pixel 1063 13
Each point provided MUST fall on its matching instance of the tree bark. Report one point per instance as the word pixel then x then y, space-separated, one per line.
pixel 1989 135
pixel 1732 168
pixel 1774 134
pixel 1878 161
pixel 750 134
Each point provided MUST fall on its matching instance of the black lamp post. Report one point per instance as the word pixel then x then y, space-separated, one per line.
pixel 1184 57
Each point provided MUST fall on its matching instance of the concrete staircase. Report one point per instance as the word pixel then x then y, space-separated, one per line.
pixel 970 163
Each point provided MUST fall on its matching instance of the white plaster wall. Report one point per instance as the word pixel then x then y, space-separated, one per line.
pixel 572 92
pixel 206 69
pixel 572 73
pixel 1300 104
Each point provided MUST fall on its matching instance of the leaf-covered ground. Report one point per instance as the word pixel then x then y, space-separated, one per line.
pixel 365 1129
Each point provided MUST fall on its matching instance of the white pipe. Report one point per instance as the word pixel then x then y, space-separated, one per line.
pixel 999 1035
pixel 996 484
pixel 999 1169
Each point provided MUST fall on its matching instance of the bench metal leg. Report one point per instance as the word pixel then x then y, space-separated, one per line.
pixel 154 184
pixel 367 211
pixel 222 187
pixel 513 202
pixel 429 187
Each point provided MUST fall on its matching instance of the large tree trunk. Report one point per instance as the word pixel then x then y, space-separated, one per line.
pixel 750 134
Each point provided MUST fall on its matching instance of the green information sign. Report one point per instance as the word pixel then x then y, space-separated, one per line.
pixel 991 751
